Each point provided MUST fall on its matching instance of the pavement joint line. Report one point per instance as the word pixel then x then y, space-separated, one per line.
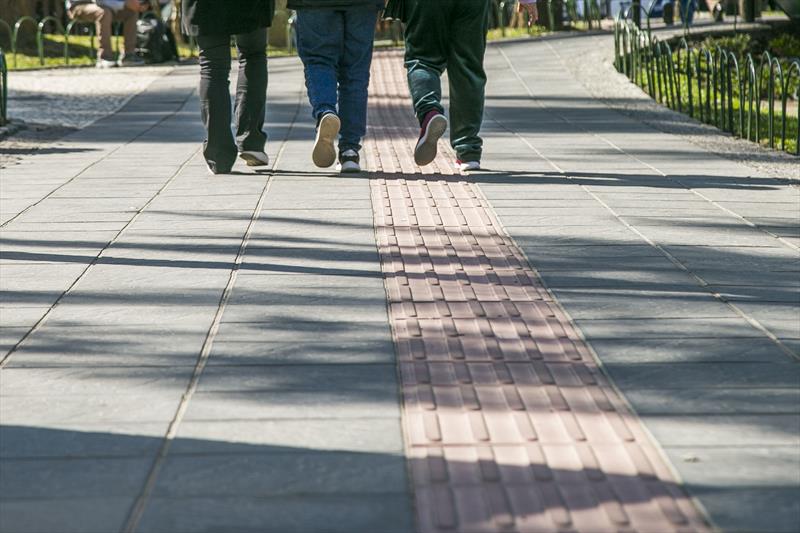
pixel 139 505
pixel 4 360
pixel 659 171
pixel 674 260
pixel 109 154
pixel 690 189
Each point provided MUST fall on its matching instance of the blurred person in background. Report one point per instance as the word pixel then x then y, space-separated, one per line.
pixel 335 41
pixel 104 13
pixel 213 22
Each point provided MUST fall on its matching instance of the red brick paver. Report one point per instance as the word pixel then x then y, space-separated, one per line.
pixel 510 425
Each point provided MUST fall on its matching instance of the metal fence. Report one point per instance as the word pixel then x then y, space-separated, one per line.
pixel 712 85
pixel 40 27
pixel 3 89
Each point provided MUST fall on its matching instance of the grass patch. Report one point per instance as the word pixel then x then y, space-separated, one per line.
pixel 708 108
pixel 81 52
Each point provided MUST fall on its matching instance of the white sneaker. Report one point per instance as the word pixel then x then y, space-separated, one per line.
pixel 254 159
pixel 105 63
pixel 324 154
pixel 468 166
pixel 349 162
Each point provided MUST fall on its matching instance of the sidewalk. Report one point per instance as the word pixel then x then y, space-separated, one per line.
pixel 398 351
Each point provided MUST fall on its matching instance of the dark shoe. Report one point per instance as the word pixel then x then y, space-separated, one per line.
pixel 349 162
pixel 433 127
pixel 324 154
pixel 718 14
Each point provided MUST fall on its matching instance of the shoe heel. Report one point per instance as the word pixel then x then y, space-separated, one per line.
pixel 324 154
pixel 427 148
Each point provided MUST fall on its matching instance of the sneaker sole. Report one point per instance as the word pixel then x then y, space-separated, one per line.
pixel 252 160
pixel 347 169
pixel 324 154
pixel 427 147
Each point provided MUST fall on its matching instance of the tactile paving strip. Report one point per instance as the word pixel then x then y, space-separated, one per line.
pixel 510 425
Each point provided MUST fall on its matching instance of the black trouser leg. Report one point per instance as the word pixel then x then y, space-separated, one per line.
pixel 427 36
pixel 251 91
pixel 219 148
pixel 467 77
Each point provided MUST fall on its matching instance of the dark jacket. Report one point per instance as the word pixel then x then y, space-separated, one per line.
pixel 334 4
pixel 226 17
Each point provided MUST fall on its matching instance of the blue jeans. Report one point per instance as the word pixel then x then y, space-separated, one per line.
pixel 336 48
pixel 687 11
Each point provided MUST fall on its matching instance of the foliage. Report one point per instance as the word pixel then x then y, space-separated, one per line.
pixel 732 81
pixel 740 43
pixel 714 110
pixel 785 45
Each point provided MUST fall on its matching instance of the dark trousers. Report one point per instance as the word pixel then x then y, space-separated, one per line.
pixel 451 35
pixel 220 147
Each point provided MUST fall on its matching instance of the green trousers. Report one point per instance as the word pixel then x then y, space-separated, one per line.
pixel 449 35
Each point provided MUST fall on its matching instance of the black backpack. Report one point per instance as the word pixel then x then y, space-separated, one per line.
pixel 154 40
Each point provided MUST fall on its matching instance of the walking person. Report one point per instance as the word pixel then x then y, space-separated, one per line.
pixel 335 40
pixel 448 35
pixel 213 22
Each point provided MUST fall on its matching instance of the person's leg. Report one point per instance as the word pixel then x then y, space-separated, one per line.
pixel 251 91
pixel 427 37
pixel 320 36
pixel 215 101
pixel 320 40
pixel 102 18
pixel 128 19
pixel 467 77
pixel 354 66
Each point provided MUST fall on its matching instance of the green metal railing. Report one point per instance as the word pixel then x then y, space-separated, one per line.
pixel 712 85
pixel 40 28
pixel 3 89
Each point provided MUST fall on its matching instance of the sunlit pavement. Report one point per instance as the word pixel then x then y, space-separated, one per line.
pixel 598 333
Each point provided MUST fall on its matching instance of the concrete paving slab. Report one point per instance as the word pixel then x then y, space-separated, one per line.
pixel 722 430
pixel 288 402
pixel 19 316
pixel 760 399
pixel 372 382
pixel 778 507
pixel 712 375
pixel 668 328
pixel 59 382
pixel 245 436
pixel 632 351
pixel 75 515
pixel 332 330
pixel 72 478
pixel 52 440
pixel 642 303
pixel 90 408
pixel 301 352
pixel 334 472
pixel 337 514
